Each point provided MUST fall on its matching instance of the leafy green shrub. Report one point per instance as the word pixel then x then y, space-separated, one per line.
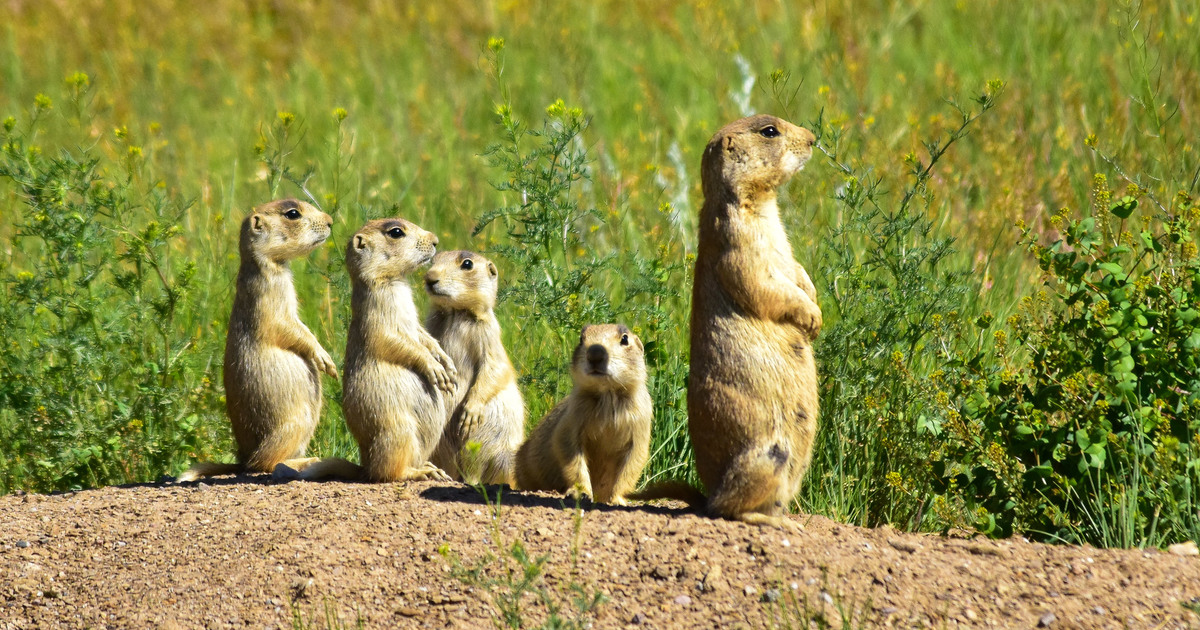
pixel 1082 423
pixel 893 294
pixel 98 384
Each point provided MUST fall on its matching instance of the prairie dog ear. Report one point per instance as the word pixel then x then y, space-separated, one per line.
pixel 492 269
pixel 359 242
pixel 256 223
pixel 640 347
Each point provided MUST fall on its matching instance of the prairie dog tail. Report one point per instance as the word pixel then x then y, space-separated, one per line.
pixel 207 469
pixel 675 490
pixel 325 468
pixel 752 483
pixel 346 470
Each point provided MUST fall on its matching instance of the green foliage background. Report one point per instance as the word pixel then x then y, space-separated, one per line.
pixel 963 359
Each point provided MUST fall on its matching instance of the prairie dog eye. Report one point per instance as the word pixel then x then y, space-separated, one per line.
pixel 467 264
pixel 292 214
pixel 624 340
pixel 769 132
pixel 395 233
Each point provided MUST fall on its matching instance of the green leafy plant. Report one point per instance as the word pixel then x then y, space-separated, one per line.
pixel 545 222
pixel 1082 424
pixel 97 385
pixel 894 296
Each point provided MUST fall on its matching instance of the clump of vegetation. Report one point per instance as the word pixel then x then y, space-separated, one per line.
pixel 895 296
pixel 97 383
pixel 1082 422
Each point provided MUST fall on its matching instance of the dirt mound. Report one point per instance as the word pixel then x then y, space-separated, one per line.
pixel 247 551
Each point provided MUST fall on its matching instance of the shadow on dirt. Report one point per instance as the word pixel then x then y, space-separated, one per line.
pixel 166 481
pixel 451 492
pixel 509 497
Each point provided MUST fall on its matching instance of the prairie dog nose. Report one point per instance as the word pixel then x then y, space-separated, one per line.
pixel 597 354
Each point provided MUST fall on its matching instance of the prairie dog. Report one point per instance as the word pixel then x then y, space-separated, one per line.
pixel 752 389
pixel 486 407
pixel 272 361
pixel 397 377
pixel 597 440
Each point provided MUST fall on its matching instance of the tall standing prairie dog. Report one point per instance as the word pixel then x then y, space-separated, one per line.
pixel 487 408
pixel 752 390
pixel 597 440
pixel 397 377
pixel 272 361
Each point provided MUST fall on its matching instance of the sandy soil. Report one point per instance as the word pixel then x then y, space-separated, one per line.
pixel 245 551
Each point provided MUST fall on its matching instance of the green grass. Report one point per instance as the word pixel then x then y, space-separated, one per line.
pixel 197 96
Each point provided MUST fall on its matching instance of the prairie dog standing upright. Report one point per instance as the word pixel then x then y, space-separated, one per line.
pixel 272 361
pixel 752 389
pixel 597 440
pixel 487 407
pixel 396 376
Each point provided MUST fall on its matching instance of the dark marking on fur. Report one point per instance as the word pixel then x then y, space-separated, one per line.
pixel 778 454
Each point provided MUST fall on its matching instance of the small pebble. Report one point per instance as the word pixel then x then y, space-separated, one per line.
pixel 683 600
pixel 638 619
pixel 770 595
pixel 1046 620
pixel 21 544
pixel 826 597
pixel 749 590
pixel 889 610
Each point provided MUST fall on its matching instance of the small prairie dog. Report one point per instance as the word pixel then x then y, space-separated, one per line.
pixel 272 361
pixel 487 408
pixel 397 377
pixel 752 389
pixel 597 440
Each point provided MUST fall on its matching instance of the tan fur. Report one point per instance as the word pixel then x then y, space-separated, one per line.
pixel 487 408
pixel 752 389
pixel 272 361
pixel 597 440
pixel 397 377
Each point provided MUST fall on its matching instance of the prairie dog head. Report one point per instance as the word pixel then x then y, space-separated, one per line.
pixel 609 357
pixel 284 229
pixel 754 155
pixel 462 281
pixel 386 250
